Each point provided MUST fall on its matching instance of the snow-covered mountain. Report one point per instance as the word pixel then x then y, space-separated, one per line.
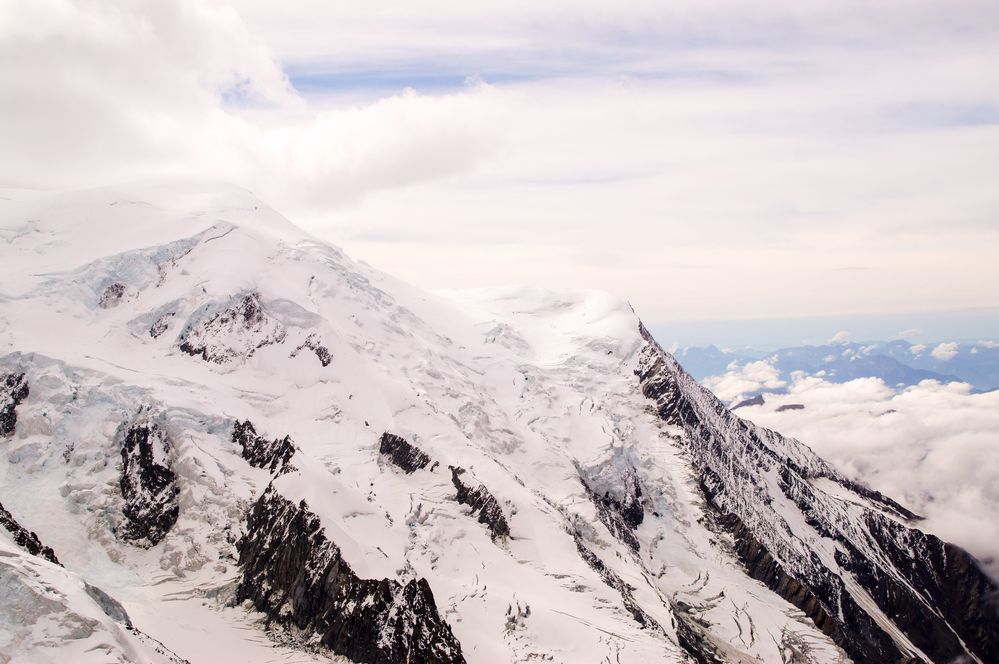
pixel 225 441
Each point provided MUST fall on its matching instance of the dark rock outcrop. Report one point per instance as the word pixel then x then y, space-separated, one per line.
pixel 631 507
pixel 692 640
pixel 274 455
pixel 148 485
pixel 232 333
pixel 617 583
pixel 161 325
pixel 622 515
pixel 867 642
pixel 694 645
pixel 13 391
pixel 402 453
pixel 322 352
pixel 112 296
pixel 111 607
pixel 25 538
pixel 934 593
pixel 293 573
pixel 481 502
pixel 790 406
pixel 752 401
pixel 945 574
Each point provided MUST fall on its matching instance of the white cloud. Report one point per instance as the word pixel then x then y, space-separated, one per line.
pixel 840 337
pixel 911 333
pixel 743 379
pixel 106 92
pixel 931 446
pixel 945 351
pixel 607 148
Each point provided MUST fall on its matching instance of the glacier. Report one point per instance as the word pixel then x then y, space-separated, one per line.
pixel 241 445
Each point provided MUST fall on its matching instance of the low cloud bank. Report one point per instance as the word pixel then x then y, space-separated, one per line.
pixel 743 379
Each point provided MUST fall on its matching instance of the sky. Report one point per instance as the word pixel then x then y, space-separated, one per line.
pixel 773 333
pixel 710 161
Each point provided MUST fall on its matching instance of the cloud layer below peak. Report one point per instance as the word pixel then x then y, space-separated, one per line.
pixel 932 446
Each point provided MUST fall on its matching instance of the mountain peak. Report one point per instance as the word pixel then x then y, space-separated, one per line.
pixel 224 423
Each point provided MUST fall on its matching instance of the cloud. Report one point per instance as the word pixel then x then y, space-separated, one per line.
pixel 931 446
pixel 106 92
pixel 912 333
pixel 840 337
pixel 945 351
pixel 744 379
pixel 627 147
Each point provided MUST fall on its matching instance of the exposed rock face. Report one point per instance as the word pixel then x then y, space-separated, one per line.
pixel 790 406
pixel 482 502
pixel 322 352
pixel 761 565
pixel 297 576
pixel 25 538
pixel 752 401
pixel 148 485
pixel 13 390
pixel 617 583
pixel 947 575
pixel 630 506
pixel 112 296
pixel 621 513
pixel 111 607
pixel 274 455
pixel 161 325
pixel 403 454
pixel 693 642
pixel 234 333
pixel 612 519
pixel 885 592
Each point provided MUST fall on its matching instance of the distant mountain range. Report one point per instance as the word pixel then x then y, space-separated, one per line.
pixel 898 363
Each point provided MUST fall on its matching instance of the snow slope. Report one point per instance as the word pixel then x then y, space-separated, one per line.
pixel 560 513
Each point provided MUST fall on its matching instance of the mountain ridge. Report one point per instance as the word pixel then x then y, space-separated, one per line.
pixel 898 363
pixel 609 499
